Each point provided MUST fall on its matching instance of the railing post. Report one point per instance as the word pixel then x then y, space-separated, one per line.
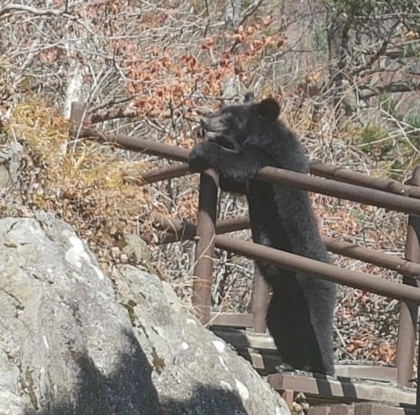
pixel 260 299
pixel 407 328
pixel 418 378
pixel 204 249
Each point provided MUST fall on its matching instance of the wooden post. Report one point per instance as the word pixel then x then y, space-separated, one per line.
pixel 288 396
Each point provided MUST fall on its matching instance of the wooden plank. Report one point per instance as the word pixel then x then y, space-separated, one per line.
pixel 264 343
pixel 377 409
pixel 288 397
pixel 267 363
pixel 263 362
pixel 373 372
pixel 231 319
pixel 241 338
pixel 319 410
pixel 338 389
pixel 342 410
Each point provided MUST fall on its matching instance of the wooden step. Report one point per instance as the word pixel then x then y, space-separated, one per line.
pixel 259 349
pixel 345 391
pixel 360 409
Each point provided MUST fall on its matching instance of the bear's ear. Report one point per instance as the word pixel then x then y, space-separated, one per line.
pixel 269 109
pixel 249 98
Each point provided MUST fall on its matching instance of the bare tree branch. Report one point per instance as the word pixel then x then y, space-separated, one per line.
pixel 380 52
pixel 9 8
pixel 250 11
pixel 109 103
pixel 112 115
pixel 393 87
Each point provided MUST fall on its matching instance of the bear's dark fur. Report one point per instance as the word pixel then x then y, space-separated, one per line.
pixel 240 140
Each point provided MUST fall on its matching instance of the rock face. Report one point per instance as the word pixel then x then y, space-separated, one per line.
pixel 72 343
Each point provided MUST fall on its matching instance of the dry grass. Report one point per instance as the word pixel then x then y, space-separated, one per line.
pixel 95 189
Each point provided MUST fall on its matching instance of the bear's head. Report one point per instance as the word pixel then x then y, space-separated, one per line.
pixel 233 125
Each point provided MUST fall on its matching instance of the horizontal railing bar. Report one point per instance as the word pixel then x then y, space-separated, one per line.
pixel 316 168
pixel 274 175
pixel 342 190
pixel 136 144
pixel 172 172
pixel 372 256
pixel 342 174
pixel 166 173
pixel 186 231
pixel 319 269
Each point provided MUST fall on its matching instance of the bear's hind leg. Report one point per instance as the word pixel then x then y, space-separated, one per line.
pixel 318 303
pixel 285 329
pixel 321 347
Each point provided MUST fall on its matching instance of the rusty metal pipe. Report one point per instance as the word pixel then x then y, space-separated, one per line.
pixel 418 379
pixel 185 231
pixel 273 175
pixel 137 144
pixel 338 189
pixel 316 168
pixel 260 300
pixel 204 249
pixel 342 174
pixel 401 265
pixel 407 327
pixel 166 173
pixel 319 269
pixel 342 190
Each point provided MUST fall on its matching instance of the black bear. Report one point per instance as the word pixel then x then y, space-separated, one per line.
pixel 241 139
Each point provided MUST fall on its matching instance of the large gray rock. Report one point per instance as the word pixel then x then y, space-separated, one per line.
pixel 71 343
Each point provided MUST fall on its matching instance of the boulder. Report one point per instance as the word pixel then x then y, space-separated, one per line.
pixel 74 342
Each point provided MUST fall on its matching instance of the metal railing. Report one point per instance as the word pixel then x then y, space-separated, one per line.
pixel 334 181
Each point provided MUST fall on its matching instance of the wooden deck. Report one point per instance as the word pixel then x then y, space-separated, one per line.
pixel 356 389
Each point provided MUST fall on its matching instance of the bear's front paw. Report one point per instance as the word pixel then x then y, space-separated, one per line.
pixel 197 159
